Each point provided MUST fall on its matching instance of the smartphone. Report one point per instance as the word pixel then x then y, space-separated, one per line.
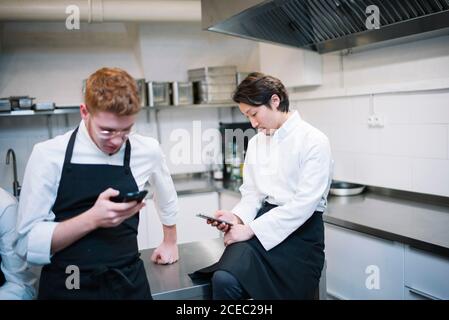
pixel 130 196
pixel 213 219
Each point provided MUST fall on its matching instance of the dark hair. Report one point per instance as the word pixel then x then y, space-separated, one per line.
pixel 257 88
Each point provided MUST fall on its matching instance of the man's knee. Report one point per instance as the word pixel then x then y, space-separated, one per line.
pixel 226 286
pixel 223 279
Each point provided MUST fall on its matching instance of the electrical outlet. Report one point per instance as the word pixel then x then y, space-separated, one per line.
pixel 375 121
pixel 379 121
pixel 371 123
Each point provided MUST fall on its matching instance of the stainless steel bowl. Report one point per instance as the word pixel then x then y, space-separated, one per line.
pixel 340 188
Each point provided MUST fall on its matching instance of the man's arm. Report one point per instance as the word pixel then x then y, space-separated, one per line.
pixel 35 219
pixel 167 252
pixel 19 279
pixel 104 214
pixel 166 202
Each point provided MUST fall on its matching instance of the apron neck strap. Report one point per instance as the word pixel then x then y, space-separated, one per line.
pixel 127 154
pixel 69 151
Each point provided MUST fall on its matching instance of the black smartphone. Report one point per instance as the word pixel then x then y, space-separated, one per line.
pixel 213 219
pixel 130 196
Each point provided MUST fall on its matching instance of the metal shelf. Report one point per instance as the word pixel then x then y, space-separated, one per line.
pixel 196 106
pixel 18 113
pixel 75 109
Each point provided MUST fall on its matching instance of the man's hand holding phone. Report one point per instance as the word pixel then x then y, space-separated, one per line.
pixel 107 214
pixel 226 220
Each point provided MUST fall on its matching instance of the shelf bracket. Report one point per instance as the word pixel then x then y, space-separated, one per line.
pixel 49 127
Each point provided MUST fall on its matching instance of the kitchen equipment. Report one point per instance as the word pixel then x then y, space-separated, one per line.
pixel 205 93
pixel 159 93
pixel 83 87
pixel 44 106
pixel 240 76
pixel 5 105
pixel 182 93
pixel 16 186
pixel 234 142
pixel 213 84
pixel 143 92
pixel 21 102
pixel 216 74
pixel 326 26
pixel 340 188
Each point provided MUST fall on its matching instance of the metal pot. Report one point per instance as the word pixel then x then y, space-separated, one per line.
pixel 340 188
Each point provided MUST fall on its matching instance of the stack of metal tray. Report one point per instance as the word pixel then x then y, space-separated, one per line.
pixel 213 84
pixel 159 93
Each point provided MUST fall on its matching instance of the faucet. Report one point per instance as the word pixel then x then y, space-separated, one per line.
pixel 15 184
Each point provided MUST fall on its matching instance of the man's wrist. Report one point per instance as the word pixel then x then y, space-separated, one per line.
pixel 249 231
pixel 170 234
pixel 237 219
pixel 88 220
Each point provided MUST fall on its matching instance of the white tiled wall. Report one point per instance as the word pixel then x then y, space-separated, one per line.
pixel 411 152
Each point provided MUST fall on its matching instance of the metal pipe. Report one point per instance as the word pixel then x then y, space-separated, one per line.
pixel 101 10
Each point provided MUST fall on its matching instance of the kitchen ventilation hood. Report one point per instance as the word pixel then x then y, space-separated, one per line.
pixel 327 25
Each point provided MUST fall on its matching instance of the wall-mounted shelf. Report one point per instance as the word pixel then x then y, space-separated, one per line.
pixel 196 106
pixel 75 109
pixel 18 113
pixel 66 110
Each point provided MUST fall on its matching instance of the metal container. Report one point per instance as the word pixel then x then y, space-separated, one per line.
pixel 5 105
pixel 213 84
pixel 44 106
pixel 142 89
pixel 204 93
pixel 212 72
pixel 240 76
pixel 21 102
pixel 182 93
pixel 83 87
pixel 340 188
pixel 159 93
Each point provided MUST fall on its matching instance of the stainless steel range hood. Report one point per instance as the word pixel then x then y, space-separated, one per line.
pixel 326 25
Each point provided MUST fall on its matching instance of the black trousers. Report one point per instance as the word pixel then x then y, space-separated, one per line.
pixel 226 287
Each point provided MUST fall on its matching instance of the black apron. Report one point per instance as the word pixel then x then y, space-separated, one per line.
pixel 291 270
pixel 108 258
pixel 2 276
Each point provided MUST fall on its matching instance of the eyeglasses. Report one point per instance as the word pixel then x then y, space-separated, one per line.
pixel 109 134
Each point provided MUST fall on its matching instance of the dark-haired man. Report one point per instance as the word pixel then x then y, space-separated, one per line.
pixel 275 248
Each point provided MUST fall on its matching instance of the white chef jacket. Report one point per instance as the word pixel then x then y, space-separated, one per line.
pixel 20 280
pixel 43 173
pixel 291 169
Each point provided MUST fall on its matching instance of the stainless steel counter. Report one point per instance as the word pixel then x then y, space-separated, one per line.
pixel 421 225
pixel 170 282
pixel 187 184
pixel 406 219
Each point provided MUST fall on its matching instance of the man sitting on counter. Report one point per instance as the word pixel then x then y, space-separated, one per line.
pixel 69 219
pixel 275 246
